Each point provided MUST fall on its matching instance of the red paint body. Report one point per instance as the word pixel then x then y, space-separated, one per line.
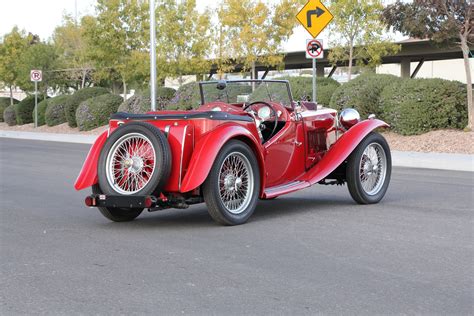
pixel 308 147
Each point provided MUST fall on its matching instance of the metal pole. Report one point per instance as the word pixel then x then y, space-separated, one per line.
pixel 152 56
pixel 36 103
pixel 314 81
pixel 75 11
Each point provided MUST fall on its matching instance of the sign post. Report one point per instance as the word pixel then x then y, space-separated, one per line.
pixel 314 17
pixel 314 50
pixel 36 76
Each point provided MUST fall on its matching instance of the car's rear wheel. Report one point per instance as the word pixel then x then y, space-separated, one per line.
pixel 369 169
pixel 232 187
pixel 135 160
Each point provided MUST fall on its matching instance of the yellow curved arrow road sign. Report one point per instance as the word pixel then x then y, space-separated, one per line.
pixel 314 17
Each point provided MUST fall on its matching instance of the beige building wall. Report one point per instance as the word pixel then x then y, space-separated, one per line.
pixel 452 69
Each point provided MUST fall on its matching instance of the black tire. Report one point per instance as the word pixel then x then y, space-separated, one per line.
pixel 353 171
pixel 163 158
pixel 117 214
pixel 212 189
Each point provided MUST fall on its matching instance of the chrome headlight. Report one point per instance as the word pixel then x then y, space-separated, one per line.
pixel 349 118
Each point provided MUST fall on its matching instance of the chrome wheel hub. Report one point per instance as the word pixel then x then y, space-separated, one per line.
pixel 373 168
pixel 232 183
pixel 134 164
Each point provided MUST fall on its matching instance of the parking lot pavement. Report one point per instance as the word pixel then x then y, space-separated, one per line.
pixel 314 251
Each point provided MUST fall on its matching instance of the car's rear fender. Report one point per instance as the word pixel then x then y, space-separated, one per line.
pixel 207 148
pixel 339 152
pixel 88 175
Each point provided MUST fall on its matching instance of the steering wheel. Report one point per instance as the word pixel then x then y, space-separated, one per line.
pixel 254 114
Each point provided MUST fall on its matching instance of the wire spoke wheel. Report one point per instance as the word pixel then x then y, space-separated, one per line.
pixel 369 169
pixel 235 182
pixel 231 188
pixel 130 163
pixel 372 168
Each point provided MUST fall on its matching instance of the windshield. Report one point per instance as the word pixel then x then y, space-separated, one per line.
pixel 246 91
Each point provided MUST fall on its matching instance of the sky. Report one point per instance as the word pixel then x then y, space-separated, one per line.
pixel 42 16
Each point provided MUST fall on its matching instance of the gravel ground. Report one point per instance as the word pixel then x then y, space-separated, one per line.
pixel 443 141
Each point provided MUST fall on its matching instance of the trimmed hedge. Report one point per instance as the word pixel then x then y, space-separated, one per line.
pixel 55 113
pixel 187 97
pixel 96 111
pixel 9 115
pixel 24 109
pixel 141 102
pixel 302 88
pixel 79 96
pixel 4 103
pixel 362 94
pixel 416 106
pixel 41 111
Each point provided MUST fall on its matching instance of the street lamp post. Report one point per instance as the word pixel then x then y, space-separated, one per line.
pixel 152 56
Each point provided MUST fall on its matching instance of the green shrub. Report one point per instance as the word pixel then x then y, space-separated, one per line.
pixel 55 113
pixel 9 115
pixel 415 106
pixel 141 102
pixel 187 97
pixel 79 96
pixel 41 111
pixel 362 94
pixel 4 103
pixel 96 111
pixel 302 88
pixel 24 109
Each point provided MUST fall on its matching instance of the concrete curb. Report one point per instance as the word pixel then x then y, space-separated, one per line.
pixel 67 138
pixel 443 161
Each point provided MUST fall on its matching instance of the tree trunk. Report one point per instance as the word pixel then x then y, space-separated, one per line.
pixel 124 89
pixel 351 56
pixel 470 105
pixel 84 73
pixel 11 95
pixel 252 75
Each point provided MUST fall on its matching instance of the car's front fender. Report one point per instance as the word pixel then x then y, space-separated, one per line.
pixel 341 150
pixel 206 150
pixel 88 175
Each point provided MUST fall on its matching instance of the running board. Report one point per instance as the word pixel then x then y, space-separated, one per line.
pixel 285 189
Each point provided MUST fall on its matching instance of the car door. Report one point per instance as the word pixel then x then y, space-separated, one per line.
pixel 285 152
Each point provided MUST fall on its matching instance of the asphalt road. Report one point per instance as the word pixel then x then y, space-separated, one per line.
pixel 310 252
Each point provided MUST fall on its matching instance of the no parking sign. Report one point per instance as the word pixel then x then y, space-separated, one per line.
pixel 36 75
pixel 314 49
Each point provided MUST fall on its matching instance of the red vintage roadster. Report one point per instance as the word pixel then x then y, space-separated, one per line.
pixel 248 140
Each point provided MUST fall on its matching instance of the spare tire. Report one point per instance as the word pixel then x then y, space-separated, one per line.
pixel 135 160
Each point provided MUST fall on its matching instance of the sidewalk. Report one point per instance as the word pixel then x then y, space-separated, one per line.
pixel 457 162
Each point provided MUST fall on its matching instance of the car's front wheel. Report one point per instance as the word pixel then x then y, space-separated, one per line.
pixel 232 187
pixel 369 169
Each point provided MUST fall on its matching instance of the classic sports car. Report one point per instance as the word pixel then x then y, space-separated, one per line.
pixel 247 141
